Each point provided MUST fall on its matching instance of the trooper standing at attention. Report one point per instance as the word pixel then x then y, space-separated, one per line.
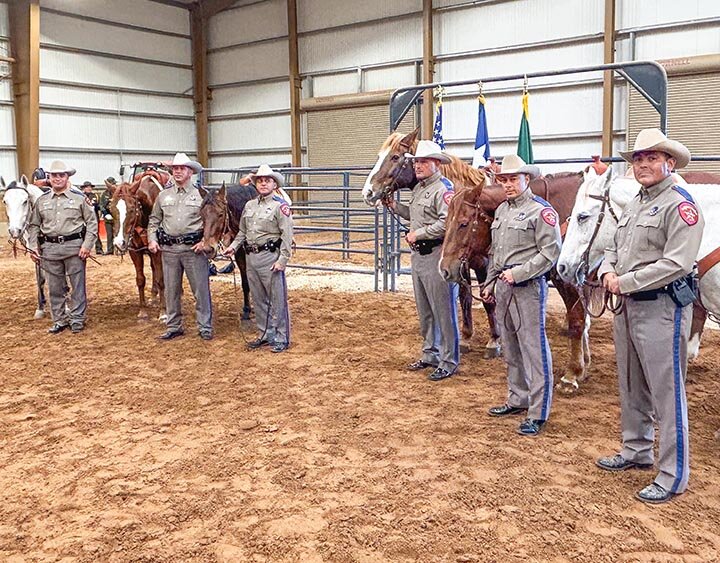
pixel 87 189
pixel 435 299
pixel 266 232
pixel 651 264
pixel 176 226
pixel 61 233
pixel 525 246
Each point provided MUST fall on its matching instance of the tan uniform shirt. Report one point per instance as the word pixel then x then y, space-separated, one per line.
pixel 64 213
pixel 428 207
pixel 265 219
pixel 177 212
pixel 657 240
pixel 525 238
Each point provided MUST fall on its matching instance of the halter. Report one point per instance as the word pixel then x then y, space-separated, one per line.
pixel 478 215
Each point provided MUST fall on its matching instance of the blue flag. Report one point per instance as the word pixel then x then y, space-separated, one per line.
pixel 482 140
pixel 437 130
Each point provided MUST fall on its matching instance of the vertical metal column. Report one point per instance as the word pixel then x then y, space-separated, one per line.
pixel 346 215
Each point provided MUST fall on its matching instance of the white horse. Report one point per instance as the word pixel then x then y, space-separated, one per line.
pixel 19 199
pixel 618 191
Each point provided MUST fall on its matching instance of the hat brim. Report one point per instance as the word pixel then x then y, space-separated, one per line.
pixel 275 176
pixel 529 169
pixel 675 149
pixel 69 171
pixel 192 165
pixel 442 158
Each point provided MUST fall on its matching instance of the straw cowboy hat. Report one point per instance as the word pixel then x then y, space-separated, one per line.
pixel 428 149
pixel 655 140
pixel 59 167
pixel 266 172
pixel 181 159
pixel 110 181
pixel 513 164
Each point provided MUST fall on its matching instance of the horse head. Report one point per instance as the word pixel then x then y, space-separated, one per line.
pixel 467 233
pixel 392 171
pixel 18 199
pixel 124 210
pixel 214 213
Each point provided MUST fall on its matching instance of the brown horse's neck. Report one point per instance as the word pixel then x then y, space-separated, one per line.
pixel 462 175
pixel 559 190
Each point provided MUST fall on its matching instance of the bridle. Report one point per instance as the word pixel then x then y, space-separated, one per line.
pixel 14 241
pixel 479 214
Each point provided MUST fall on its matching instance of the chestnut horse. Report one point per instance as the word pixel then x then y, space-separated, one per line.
pixel 467 243
pixel 393 172
pixel 130 206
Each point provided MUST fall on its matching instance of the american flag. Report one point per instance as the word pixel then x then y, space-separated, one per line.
pixel 437 130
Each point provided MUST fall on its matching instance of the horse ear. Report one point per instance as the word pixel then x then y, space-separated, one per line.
pixel 24 180
pixel 410 138
pixel 203 191
pixel 2 183
pixel 222 191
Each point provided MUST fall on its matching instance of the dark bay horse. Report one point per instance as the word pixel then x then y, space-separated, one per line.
pixel 221 211
pixel 468 241
pixel 130 206
pixel 393 172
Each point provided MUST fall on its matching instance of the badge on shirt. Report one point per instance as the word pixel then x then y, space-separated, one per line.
pixel 654 211
pixel 520 216
pixel 447 197
pixel 688 212
pixel 285 209
pixel 549 216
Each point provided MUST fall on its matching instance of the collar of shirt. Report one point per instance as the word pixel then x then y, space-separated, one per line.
pixel 62 193
pixel 521 199
pixel 265 198
pixel 427 181
pixel 648 194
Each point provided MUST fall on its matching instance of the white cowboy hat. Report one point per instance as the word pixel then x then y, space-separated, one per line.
pixel 655 140
pixel 428 149
pixel 181 159
pixel 266 172
pixel 59 167
pixel 513 164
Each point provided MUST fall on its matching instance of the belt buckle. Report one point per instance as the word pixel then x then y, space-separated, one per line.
pixel 61 239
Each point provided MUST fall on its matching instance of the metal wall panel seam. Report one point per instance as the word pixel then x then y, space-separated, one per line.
pixel 246 44
pixel 77 50
pixel 115 112
pixel 255 151
pixel 363 23
pixel 115 24
pixel 547 137
pixel 83 150
pixel 173 3
pixel 236 116
pixel 471 4
pixel 267 80
pixel 669 26
pixel 240 7
pixel 86 86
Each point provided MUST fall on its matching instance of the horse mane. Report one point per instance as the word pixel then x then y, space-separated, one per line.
pixel 560 175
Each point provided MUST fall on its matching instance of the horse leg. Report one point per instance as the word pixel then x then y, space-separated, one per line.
pixel 575 371
pixel 465 297
pixel 493 348
pixel 159 280
pixel 696 329
pixel 242 266
pixel 138 262
pixel 41 300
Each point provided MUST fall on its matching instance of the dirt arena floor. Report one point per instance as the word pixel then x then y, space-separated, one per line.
pixel 117 447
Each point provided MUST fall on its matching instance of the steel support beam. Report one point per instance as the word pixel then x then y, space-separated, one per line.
pixel 428 69
pixel 198 34
pixel 295 82
pixel 608 89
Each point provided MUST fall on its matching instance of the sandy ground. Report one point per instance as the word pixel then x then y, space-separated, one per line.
pixel 117 447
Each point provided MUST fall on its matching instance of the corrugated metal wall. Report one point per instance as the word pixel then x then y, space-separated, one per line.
pixel 115 84
pixel 8 168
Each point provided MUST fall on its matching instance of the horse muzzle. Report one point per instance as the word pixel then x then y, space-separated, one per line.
pixel 14 233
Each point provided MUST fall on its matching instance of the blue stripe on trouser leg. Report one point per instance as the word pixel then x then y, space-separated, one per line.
pixel 453 287
pixel 679 414
pixel 547 376
pixel 287 307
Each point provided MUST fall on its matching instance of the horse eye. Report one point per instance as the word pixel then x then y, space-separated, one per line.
pixel 582 217
pixel 464 224
pixel 395 157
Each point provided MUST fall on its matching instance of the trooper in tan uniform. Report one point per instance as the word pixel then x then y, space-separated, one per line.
pixel 62 231
pixel 525 246
pixel 266 231
pixel 176 226
pixel 651 265
pixel 435 299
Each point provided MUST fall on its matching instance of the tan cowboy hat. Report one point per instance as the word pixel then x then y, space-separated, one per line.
pixel 266 172
pixel 181 159
pixel 655 140
pixel 428 149
pixel 59 167
pixel 513 164
pixel 110 181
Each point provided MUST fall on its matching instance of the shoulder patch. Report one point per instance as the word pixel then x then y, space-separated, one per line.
pixel 541 201
pixel 683 192
pixel 549 216
pixel 688 212
pixel 447 196
pixel 285 208
pixel 448 184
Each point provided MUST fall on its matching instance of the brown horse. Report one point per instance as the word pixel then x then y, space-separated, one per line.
pixel 130 206
pixel 468 241
pixel 393 172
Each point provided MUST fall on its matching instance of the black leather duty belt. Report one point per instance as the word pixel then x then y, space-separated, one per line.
pixel 270 246
pixel 425 247
pixel 60 239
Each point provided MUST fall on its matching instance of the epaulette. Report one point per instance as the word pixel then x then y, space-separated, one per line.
pixel 541 201
pixel 447 183
pixel 683 192
pixel 74 190
pixel 278 198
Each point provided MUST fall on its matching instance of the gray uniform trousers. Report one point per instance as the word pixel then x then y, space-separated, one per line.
pixel 268 291
pixel 525 346
pixel 40 282
pixel 652 364
pixel 436 302
pixel 176 259
pixel 62 264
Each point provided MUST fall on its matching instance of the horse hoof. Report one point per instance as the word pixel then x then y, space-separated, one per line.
pixel 39 314
pixel 491 353
pixel 566 387
pixel 464 346
pixel 142 316
pixel 163 318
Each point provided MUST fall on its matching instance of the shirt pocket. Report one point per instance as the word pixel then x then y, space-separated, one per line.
pixel 649 233
pixel 521 233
